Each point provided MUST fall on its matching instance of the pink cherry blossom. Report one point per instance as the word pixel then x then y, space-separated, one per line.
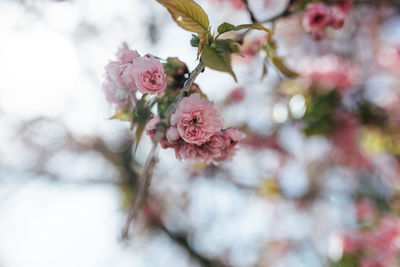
pixel 120 86
pixel 196 119
pixel 316 18
pixel 330 72
pixel 379 246
pixel 236 95
pixel 220 147
pixel 345 141
pixel 151 126
pixel 365 210
pixel 126 55
pixel 172 135
pixel 115 95
pixel 338 18
pixel 344 5
pixel 237 4
pixel 149 75
pixel 117 73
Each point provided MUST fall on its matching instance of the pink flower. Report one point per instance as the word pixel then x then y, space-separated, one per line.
pixel 316 18
pixel 237 4
pixel 196 119
pixel 236 95
pixel 378 246
pixel 172 135
pixel 126 55
pixel 231 136
pixel 220 147
pixel 337 18
pixel 365 210
pixel 330 72
pixel 345 140
pixel 117 73
pixel 151 126
pixel 344 5
pixel 149 75
pixel 115 95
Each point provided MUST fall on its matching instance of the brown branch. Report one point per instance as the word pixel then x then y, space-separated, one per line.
pixel 145 177
pixel 252 17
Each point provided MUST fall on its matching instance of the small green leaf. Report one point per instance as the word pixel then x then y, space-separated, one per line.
pixel 281 66
pixel 265 70
pixel 139 132
pixel 141 115
pixel 188 15
pixel 227 45
pixel 217 60
pixel 226 27
pixel 194 42
pixel 123 115
pixel 278 62
pixel 255 26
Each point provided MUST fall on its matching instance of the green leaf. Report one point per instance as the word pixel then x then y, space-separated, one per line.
pixel 278 62
pixel 227 45
pixel 281 66
pixel 255 26
pixel 188 15
pixel 217 60
pixel 141 115
pixel 265 70
pixel 123 115
pixel 139 132
pixel 319 119
pixel 226 27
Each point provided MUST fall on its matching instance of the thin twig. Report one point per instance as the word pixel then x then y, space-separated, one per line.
pixel 252 17
pixel 145 177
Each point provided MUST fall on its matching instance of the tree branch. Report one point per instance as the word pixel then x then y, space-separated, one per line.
pixel 145 177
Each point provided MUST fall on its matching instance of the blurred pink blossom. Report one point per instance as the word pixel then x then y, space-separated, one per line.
pixel 237 4
pixel 330 72
pixel 365 210
pixel 151 126
pixel 316 18
pixel 344 5
pixel 236 95
pixel 338 18
pixel 379 246
pixel 345 141
pixel 115 95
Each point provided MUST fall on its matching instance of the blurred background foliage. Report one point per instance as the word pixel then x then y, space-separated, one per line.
pixel 315 183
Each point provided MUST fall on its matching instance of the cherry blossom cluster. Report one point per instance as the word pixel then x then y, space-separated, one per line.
pixel 132 72
pixel 196 133
pixel 318 16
